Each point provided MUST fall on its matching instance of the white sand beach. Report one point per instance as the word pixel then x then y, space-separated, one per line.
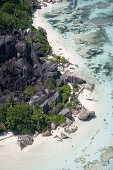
pixel 58 48
pixel 10 145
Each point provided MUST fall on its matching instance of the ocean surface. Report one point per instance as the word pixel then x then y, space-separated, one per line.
pixel 86 27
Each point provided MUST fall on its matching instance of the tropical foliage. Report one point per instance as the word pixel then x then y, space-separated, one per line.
pixel 15 14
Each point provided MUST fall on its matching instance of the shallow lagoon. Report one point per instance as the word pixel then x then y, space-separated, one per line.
pixel 90 17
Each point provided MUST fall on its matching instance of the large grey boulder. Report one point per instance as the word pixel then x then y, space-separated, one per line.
pixel 53 126
pixel 36 99
pixel 31 34
pixel 23 50
pixel 53 75
pixel 38 88
pixel 25 140
pixel 66 112
pixel 7 47
pixel 15 74
pixel 47 133
pixel 63 136
pixel 68 122
pixel 91 113
pixel 71 129
pixel 84 114
pixel 36 49
pixel 37 65
pixel 36 134
pixel 89 87
pixel 60 82
pixel 49 67
pixel 72 77
pixel 56 98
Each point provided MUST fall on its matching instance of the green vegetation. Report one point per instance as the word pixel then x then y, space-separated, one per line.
pixel 63 60
pixel 41 39
pixel 40 119
pixel 75 87
pixel 64 97
pixel 2 128
pixel 52 104
pixel 65 92
pixel 57 59
pixel 69 105
pixel 57 109
pixel 58 119
pixel 29 90
pixel 48 84
pixel 21 118
pixel 3 113
pixel 15 14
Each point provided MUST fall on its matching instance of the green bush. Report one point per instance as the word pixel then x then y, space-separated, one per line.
pixel 59 59
pixel 19 119
pixel 40 119
pixel 64 89
pixel 65 92
pixel 69 105
pixel 10 101
pixel 41 39
pixel 58 119
pixel 64 97
pixel 48 84
pixel 57 109
pixel 52 104
pixel 63 60
pixel 2 128
pixel 74 85
pixel 15 14
pixel 29 90
pixel 3 113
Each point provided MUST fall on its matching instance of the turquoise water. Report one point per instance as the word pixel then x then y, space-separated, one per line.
pixel 89 17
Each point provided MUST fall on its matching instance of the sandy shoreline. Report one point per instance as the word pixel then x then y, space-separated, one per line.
pixel 59 49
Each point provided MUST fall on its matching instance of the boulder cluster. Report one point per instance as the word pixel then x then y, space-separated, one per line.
pixel 22 65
